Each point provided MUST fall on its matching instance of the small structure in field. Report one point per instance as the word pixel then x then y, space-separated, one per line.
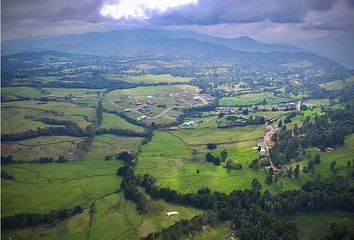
pixel 169 214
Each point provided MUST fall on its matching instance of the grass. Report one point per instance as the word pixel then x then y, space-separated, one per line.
pixel 171 154
pixel 13 93
pixel 217 232
pixel 34 148
pixel 40 188
pixel 153 78
pixel 316 225
pixel 74 228
pixel 107 144
pixel 81 115
pixel 341 155
pixel 116 218
pixel 338 84
pixel 252 99
pixel 13 120
pixel 113 121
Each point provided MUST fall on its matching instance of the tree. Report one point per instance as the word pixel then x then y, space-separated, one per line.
pixel 108 157
pixel 269 179
pixel 256 185
pixel 254 163
pixel 209 157
pixel 296 130
pixel 332 166
pixel 211 146
pixel 297 171
pixel 311 166
pixel 223 155
pixel 349 164
pixel 280 123
pixel 317 159
pixel 216 161
pixel 290 172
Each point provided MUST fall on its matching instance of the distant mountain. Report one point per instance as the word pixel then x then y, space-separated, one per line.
pixel 171 43
pixel 340 49
pixel 121 39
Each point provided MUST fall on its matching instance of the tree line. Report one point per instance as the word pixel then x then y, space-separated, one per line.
pixel 328 130
pixel 9 160
pixel 30 219
pixel 251 212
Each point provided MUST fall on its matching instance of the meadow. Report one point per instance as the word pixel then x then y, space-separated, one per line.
pixel 156 78
pixel 317 224
pixel 338 84
pixel 170 159
pixel 252 99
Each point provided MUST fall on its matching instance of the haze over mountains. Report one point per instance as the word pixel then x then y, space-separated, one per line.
pixel 142 41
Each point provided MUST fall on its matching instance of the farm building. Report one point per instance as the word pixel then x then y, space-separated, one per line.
pixel 172 213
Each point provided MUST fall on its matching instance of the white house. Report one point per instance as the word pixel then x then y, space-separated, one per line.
pixel 172 213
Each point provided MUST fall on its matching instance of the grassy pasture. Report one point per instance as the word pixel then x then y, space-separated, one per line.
pixel 317 224
pixel 74 228
pixel 108 144
pixel 177 165
pixel 217 232
pixel 113 121
pixel 13 93
pixel 338 84
pixel 46 146
pixel 13 120
pixel 252 99
pixel 154 78
pixel 116 218
pixel 341 155
pixel 83 116
pixel 203 136
pixel 40 188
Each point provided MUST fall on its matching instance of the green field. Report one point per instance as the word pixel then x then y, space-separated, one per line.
pixel 172 153
pixel 317 224
pixel 113 121
pixel 152 78
pixel 81 115
pixel 338 84
pixel 34 148
pixel 116 218
pixel 43 187
pixel 252 99
pixel 13 93
pixel 341 155
pixel 214 232
pixel 108 144
pixel 74 228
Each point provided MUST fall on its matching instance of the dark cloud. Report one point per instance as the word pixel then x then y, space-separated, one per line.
pixel 209 12
pixel 32 17
pixel 49 10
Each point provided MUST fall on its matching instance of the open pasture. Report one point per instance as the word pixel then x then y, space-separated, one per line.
pixel 45 146
pixel 317 224
pixel 81 115
pixel 74 228
pixel 39 188
pixel 168 158
pixel 338 84
pixel 108 144
pixel 113 121
pixel 154 78
pixel 252 99
pixel 114 210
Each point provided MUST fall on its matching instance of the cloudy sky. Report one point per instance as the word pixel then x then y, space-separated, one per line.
pixel 264 20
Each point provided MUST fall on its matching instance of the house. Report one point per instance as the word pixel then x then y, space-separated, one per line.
pixel 143 117
pixel 127 110
pixel 172 213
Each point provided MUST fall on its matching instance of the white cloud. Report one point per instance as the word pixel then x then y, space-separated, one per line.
pixel 139 9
